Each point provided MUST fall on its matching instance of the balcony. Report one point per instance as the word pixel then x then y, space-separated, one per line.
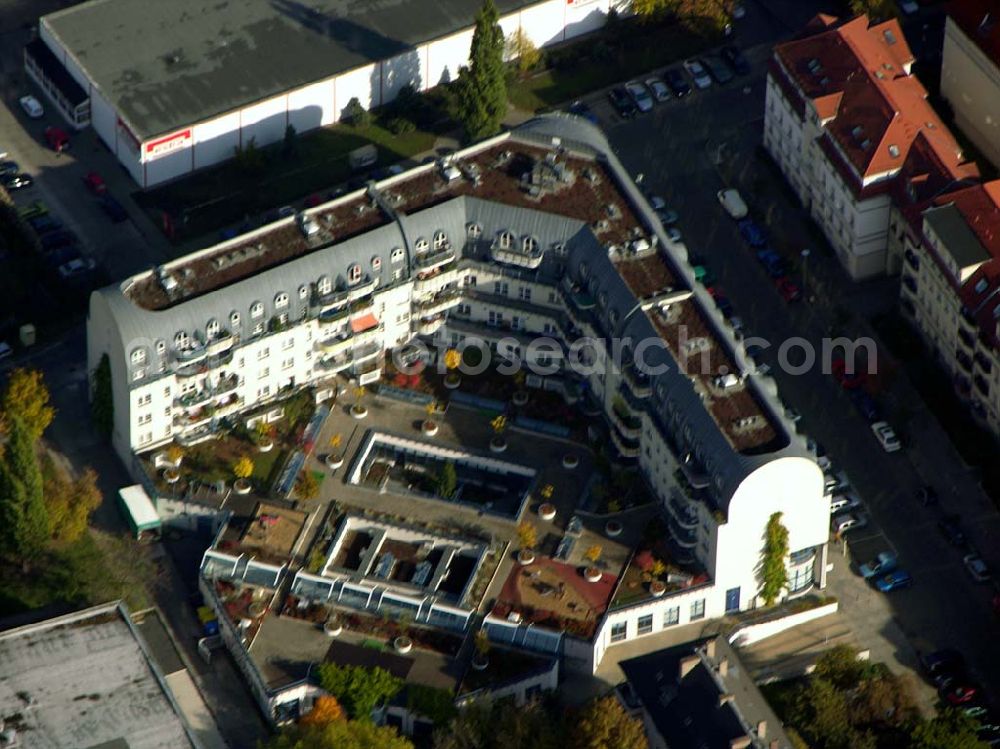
pixel 334 364
pixel 968 320
pixel 191 355
pixel 516 255
pixel 365 353
pixel 982 362
pixel 682 510
pixel 226 385
pixel 627 448
pixel 336 345
pixel 964 360
pixel 333 315
pixel 220 344
pixel 910 283
pixel 911 259
pixel 685 537
pixel 624 421
pixel 434 280
pixel 368 372
pixel 431 261
pixel 440 303
pixel 332 300
pixel 365 288
pixel 637 382
pixel 968 340
pixel 431 325
pixel 360 307
pixel 190 437
pixel 982 385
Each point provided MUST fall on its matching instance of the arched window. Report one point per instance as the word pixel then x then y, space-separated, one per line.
pixel 505 240
pixel 560 249
pixel 256 310
pixel 529 244
pixel 139 356
pixel 304 291
pixel 234 320
pixel 354 274
pixel 420 245
pixel 161 347
pixel 440 240
pixel 376 263
pixel 212 329
pixel 475 231
pixel 323 286
pixel 584 270
pixel 613 317
pixel 280 300
pixel 181 340
pixel 397 255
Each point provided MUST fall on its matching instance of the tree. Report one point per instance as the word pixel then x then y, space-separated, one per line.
pixel 502 724
pixel 774 575
pixel 452 359
pixel 823 715
pixel 24 519
pixel 523 50
pixel 290 145
pixel 884 700
pixel 243 467
pixel 356 115
pixel 248 158
pixel 603 724
pixel 876 10
pixel 306 485
pixel 437 705
pixel 593 553
pixel 27 398
pixel 447 481
pixel 357 688
pixel 498 424
pixel 175 453
pixel 102 405
pixel 527 535
pixel 648 9
pixel 341 734
pixel 841 667
pixel 325 710
pixel 70 505
pixel 482 86
pixel 951 729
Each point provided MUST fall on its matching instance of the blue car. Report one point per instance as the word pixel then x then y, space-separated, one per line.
pixel 880 566
pixel 582 110
pixel 772 262
pixel 866 404
pixel 894 581
pixel 752 234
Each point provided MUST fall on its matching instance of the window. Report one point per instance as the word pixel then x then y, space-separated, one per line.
pixel 397 273
pixel 323 286
pixel 145 419
pixel 559 248
pixel 698 610
pixel 263 354
pixel 288 363
pixel 181 340
pixel 645 624
pixel 619 631
pixel 529 244
pixel 376 263
pixel 161 347
pixel 475 231
pixel 234 320
pixel 524 292
pixel 256 310
pixel 264 373
pixel 505 240
pixel 212 329
pixel 396 255
pixel 304 291
pixel 139 356
pixel 470 281
pixel 354 274
pixel 584 270
pixel 440 240
pixel 144 400
pixel 287 344
pixel 258 328
pixel 166 392
pixel 671 616
pixel 500 288
pixel 281 300
pixel 421 245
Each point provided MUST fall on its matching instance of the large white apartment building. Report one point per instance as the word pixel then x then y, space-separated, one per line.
pixel 843 118
pixel 538 232
pixel 951 289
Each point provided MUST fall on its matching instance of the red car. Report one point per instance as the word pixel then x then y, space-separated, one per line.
pixel 848 381
pixel 95 183
pixel 788 289
pixel 57 139
pixel 959 695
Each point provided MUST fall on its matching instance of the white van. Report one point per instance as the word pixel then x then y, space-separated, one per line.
pixel 733 204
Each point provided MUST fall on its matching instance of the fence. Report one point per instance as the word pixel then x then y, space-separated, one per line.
pixel 544 427
pixel 407 396
pixel 477 401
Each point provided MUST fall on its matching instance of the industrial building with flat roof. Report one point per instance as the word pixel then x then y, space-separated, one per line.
pixel 174 87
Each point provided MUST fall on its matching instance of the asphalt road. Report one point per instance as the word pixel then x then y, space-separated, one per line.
pixel 687 150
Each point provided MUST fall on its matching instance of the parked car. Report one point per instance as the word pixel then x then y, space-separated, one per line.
pixel 5 350
pixel 17 181
pixel 909 7
pixel 9 167
pixel 792 415
pixel 719 71
pixel 76 268
pixel 659 89
pixel 856 378
pixel 895 580
pixel 959 694
pixel 845 502
pixel 735 59
pixel 673 233
pixel 622 103
pixel 724 305
pixel 732 203
pixel 865 403
pixel 739 10
pixel 703 275
pixel 677 82
pixel 886 436
pixel 643 101
pixel 822 459
pixel 751 232
pixel 44 224
pixel 63 255
pixel 773 263
pixel 788 289
pixel 846 521
pixel 34 208
pixel 667 217
pixel 927 495
pixel 32 107
pixel 698 73
pixel 939 661
pixel 56 239
pixel 837 482
pixel 95 183
pixel 113 208
pixel 57 139
pixel 883 563
pixel 580 109
pixel 952 531
pixel 977 568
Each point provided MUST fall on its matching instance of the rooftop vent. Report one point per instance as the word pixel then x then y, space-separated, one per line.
pixel 857 132
pixel 894 150
pixel 890 38
pixel 815 66
pixel 865 144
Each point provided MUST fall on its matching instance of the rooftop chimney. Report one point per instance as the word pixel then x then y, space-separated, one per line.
pixel 687 665
pixel 725 698
pixel 740 743
pixel 710 648
pixel 723 667
pixel 761 729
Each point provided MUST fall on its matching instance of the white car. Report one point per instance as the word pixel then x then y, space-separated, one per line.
pixel 661 92
pixel 846 521
pixel 639 95
pixel 698 73
pixel 845 502
pixel 32 107
pixel 739 10
pixel 977 568
pixel 5 350
pixel 909 7
pixel 886 436
pixel 732 203
pixel 76 267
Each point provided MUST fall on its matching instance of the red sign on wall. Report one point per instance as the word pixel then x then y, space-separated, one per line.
pixel 168 144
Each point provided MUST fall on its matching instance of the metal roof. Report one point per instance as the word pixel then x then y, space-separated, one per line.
pixel 957 237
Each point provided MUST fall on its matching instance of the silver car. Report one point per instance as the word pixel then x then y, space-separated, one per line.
pixel 698 73
pixel 661 92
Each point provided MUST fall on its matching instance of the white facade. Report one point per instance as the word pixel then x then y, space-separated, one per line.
pixel 970 82
pixel 158 159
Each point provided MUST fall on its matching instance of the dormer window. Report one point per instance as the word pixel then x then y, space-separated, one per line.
pixel 981 285
pixel 505 240
pixel 139 357
pixel 234 320
pixel 475 231
pixel 376 263
pixel 212 329
pixel 304 291
pixel 584 270
pixel 280 300
pixel 421 245
pixel 559 248
pixel 529 244
pixel 161 347
pixel 440 240
pixel 323 286
pixel 613 317
pixel 181 340
pixel 256 310
pixel 397 255
pixel 354 274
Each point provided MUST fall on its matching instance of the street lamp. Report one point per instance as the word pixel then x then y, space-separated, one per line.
pixel 805 277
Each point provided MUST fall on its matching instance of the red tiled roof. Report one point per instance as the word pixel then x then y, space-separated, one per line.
pixel 859 76
pixel 980 21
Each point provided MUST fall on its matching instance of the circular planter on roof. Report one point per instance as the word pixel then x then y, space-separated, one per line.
pixel 592 575
pixel 403 644
pixel 498 444
pixel 520 398
pixel 613 528
pixel 334 461
pixel 547 511
pixel 429 427
pixel 657 588
pixel 171 475
pixel 332 627
pixel 525 556
pixel 480 662
pixel 265 445
pixel 242 486
pixel 452 381
pixel 358 411
pixel 570 461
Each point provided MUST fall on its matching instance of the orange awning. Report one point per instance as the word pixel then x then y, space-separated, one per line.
pixel 363 323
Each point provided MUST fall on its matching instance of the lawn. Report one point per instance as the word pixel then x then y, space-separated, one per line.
pixel 609 57
pixel 233 192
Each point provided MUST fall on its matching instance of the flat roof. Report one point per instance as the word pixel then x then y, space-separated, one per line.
pixel 140 506
pixel 85 680
pixel 957 238
pixel 165 66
